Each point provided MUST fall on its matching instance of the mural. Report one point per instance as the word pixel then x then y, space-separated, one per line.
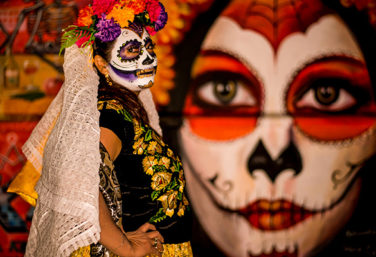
pixel 279 126
pixel 271 103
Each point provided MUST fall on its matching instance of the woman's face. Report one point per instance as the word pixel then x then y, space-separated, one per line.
pixel 274 136
pixel 133 62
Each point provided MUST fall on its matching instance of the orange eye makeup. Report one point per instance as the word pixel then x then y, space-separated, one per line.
pixel 224 100
pixel 332 99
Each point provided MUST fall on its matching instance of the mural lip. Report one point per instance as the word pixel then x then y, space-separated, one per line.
pixel 274 215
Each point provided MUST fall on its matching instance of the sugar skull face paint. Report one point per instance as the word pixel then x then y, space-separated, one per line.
pixel 275 133
pixel 133 62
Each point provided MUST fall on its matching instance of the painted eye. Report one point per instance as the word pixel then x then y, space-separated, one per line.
pixel 225 92
pixel 149 46
pixel 129 51
pixel 330 98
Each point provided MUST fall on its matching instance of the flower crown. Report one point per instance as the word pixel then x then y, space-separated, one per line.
pixel 104 20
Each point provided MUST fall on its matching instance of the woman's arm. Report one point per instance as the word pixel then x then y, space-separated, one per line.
pixel 136 243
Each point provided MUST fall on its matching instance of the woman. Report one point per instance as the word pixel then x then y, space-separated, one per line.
pixel 140 179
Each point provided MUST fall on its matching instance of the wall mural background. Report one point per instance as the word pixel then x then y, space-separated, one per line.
pixel 270 103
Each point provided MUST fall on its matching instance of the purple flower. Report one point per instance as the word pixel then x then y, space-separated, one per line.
pixel 162 19
pixel 108 30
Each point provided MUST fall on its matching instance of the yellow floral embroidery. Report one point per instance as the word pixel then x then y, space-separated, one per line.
pixel 154 147
pixel 148 162
pixel 164 161
pixel 169 202
pixel 160 180
pixel 139 146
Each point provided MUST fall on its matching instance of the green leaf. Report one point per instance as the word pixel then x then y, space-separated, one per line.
pixel 73 33
pixel 148 135
pixel 155 195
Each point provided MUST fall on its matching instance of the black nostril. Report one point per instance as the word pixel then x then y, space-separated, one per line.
pixel 289 159
pixel 147 61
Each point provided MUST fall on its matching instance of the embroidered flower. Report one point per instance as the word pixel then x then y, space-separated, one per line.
pixel 147 163
pixel 157 138
pixel 181 210
pixel 121 15
pixel 168 201
pixel 139 146
pixel 170 153
pixel 84 17
pixel 108 29
pixel 102 6
pixel 154 147
pixel 160 180
pixel 164 161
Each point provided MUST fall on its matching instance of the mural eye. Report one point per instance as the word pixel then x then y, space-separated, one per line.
pixel 225 93
pixel 335 97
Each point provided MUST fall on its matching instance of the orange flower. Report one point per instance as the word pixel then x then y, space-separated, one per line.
pixel 136 6
pixel 121 15
pixel 84 17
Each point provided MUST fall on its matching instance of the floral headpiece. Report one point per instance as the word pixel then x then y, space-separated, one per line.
pixel 104 20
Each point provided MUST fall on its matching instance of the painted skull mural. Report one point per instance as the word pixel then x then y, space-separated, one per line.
pixel 279 119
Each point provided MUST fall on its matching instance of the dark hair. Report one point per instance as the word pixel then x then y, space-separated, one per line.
pixel 124 96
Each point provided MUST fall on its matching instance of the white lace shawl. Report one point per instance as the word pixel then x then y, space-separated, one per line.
pixel 66 215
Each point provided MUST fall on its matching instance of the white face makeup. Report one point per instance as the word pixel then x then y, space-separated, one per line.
pixel 309 187
pixel 133 62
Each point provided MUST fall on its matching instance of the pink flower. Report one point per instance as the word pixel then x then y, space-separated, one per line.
pixel 154 9
pixel 150 30
pixel 102 6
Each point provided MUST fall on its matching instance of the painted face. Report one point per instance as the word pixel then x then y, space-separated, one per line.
pixel 275 134
pixel 133 62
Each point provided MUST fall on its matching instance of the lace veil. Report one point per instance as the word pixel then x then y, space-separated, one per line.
pixel 64 148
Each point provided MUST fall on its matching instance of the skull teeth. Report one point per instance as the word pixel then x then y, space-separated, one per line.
pixel 145 73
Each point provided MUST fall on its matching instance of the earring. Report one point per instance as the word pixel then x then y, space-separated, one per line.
pixel 109 82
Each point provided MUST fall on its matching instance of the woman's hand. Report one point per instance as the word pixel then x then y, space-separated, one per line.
pixel 146 240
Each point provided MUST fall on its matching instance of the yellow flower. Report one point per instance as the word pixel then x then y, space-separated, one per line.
pixel 165 162
pixel 181 210
pixel 121 15
pixel 139 146
pixel 160 180
pixel 170 153
pixel 147 163
pixel 157 138
pixel 154 147
pixel 169 202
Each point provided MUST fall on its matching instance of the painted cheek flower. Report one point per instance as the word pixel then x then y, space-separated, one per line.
pixel 84 17
pixel 121 15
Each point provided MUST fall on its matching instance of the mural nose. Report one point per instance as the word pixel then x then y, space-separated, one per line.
pixel 288 159
pixel 147 61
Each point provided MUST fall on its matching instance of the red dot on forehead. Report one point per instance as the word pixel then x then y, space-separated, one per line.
pixel 275 19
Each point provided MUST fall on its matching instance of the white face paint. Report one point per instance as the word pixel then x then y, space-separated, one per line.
pixel 133 62
pixel 314 196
